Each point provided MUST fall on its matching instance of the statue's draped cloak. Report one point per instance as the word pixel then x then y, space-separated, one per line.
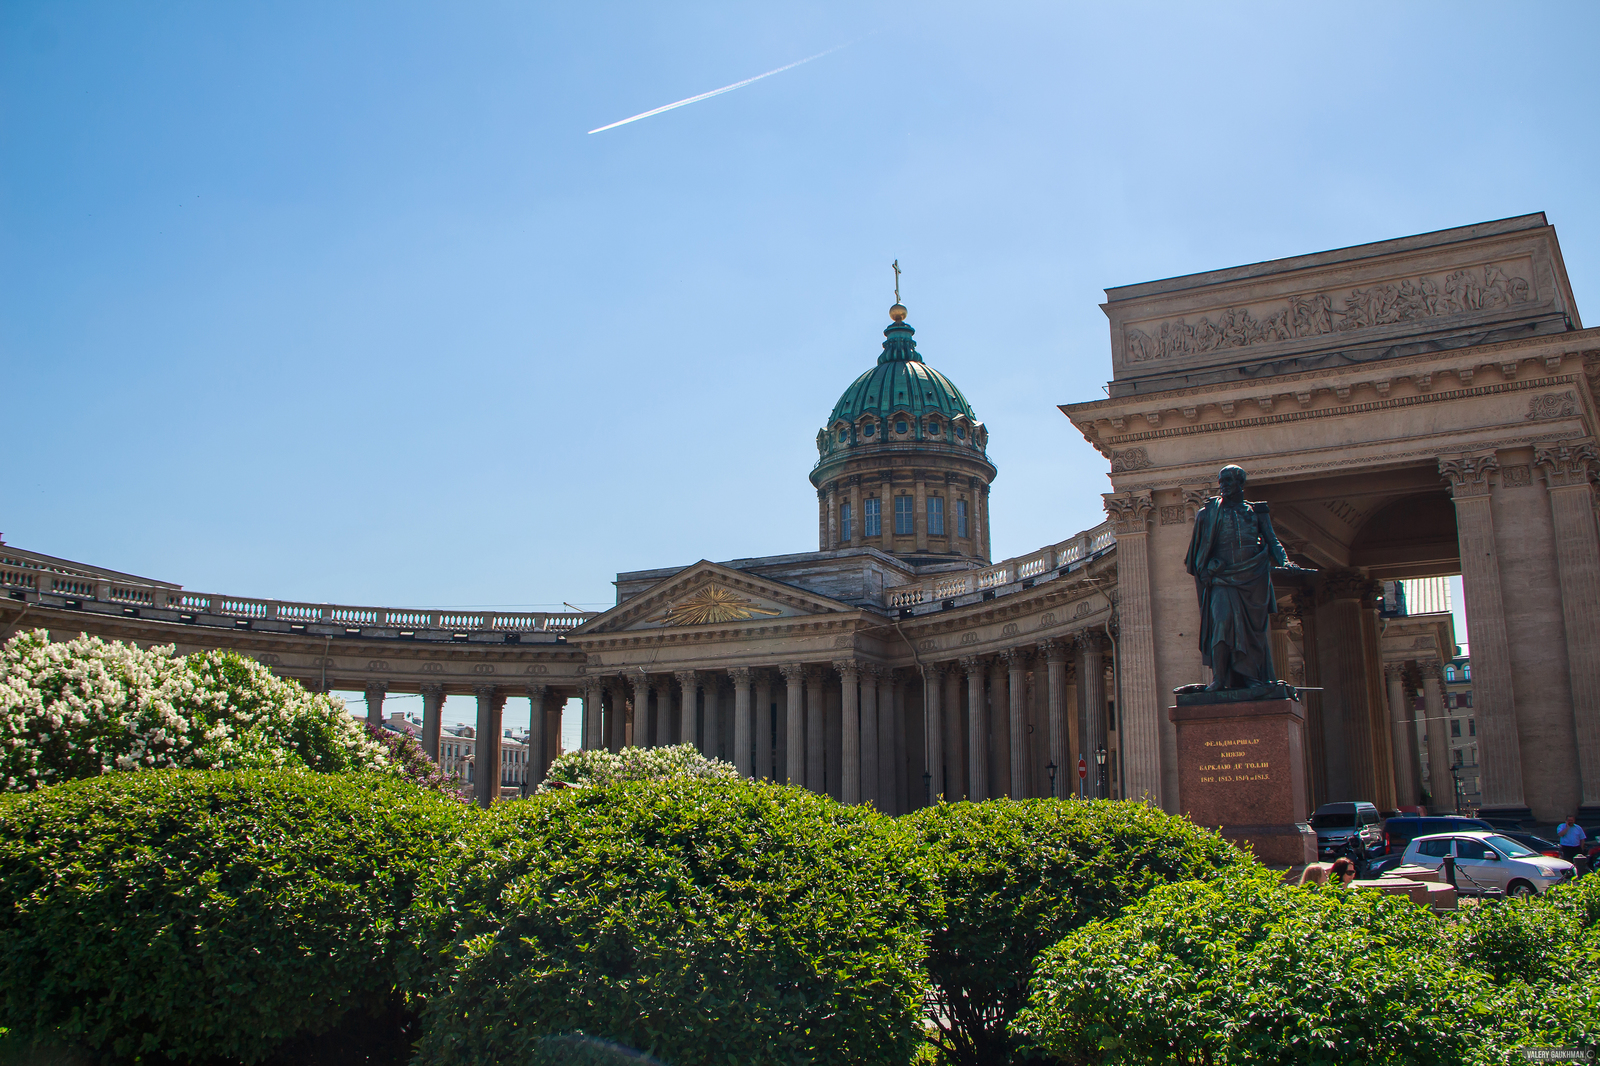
pixel 1237 600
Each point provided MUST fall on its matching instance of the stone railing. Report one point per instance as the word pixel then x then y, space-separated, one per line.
pixel 28 572
pixel 1041 565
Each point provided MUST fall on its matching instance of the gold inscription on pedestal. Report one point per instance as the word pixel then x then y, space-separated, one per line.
pixel 1233 772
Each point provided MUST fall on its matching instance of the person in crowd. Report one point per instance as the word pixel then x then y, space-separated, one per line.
pixel 1315 873
pixel 1343 871
pixel 1570 836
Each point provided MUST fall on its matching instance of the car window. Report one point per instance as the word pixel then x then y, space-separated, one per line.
pixel 1369 817
pixel 1471 848
pixel 1510 848
pixel 1333 821
pixel 1434 849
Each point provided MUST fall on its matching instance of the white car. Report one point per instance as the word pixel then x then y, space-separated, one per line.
pixel 1489 862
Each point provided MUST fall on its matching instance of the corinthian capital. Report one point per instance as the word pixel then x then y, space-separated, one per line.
pixel 1129 511
pixel 1567 462
pixel 1468 474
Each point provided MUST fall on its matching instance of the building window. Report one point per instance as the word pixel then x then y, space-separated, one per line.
pixel 844 521
pixel 869 429
pixel 900 427
pixel 1466 699
pixel 1466 671
pixel 902 516
pixel 1472 727
pixel 872 526
pixel 1455 727
pixel 1460 757
pixel 844 435
pixel 961 518
pixel 1449 673
pixel 1111 716
pixel 933 427
pixel 961 433
pixel 935 516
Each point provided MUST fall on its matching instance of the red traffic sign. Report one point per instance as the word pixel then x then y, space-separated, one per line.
pixel 1083 768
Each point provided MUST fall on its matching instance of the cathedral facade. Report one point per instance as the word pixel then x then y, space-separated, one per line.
pixel 1413 408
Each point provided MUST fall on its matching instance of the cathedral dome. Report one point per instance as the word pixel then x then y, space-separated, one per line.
pixel 901 464
pixel 900 399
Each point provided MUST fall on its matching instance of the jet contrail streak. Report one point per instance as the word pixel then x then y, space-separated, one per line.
pixel 718 92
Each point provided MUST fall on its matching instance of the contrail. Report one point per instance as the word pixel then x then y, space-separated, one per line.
pixel 719 92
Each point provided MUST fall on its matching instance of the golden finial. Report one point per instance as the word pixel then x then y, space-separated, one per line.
pixel 898 311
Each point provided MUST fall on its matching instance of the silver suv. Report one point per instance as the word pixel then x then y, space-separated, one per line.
pixel 1336 823
pixel 1489 863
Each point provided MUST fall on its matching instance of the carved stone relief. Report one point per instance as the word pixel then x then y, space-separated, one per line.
pixel 1173 516
pixel 1478 288
pixel 1517 476
pixel 1553 405
pixel 1132 459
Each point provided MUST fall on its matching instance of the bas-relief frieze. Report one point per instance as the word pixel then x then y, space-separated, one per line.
pixel 1553 405
pixel 1487 287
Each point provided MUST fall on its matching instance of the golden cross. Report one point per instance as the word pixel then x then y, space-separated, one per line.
pixel 897 281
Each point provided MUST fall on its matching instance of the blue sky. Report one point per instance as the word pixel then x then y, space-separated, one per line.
pixel 339 302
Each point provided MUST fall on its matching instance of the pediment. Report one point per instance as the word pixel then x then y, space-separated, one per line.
pixel 709 594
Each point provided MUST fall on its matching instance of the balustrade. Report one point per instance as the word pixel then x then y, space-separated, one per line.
pixel 1068 553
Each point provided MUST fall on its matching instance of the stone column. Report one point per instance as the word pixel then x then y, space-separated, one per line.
pixel 933 728
pixel 1566 468
pixel 743 757
pixel 375 691
pixel 1346 716
pixel 1499 750
pixel 1400 725
pixel 1440 784
pixel 618 715
pixel 919 514
pixel 1383 768
pixel 1055 657
pixel 856 517
pixel 833 737
pixel 591 714
pixel 487 739
pixel 850 732
pixel 890 741
pixel 816 723
pixel 1092 645
pixel 999 730
pixel 711 727
pixel 977 730
pixel 955 737
pixel 869 735
pixel 537 694
pixel 432 717
pixel 641 709
pixel 1016 661
pixel 666 735
pixel 1304 607
pixel 794 723
pixel 688 705
pixel 1143 707
pixel 763 698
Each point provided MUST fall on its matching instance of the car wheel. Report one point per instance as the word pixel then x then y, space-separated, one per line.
pixel 1521 890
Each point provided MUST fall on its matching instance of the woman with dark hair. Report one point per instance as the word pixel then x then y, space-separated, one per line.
pixel 1343 871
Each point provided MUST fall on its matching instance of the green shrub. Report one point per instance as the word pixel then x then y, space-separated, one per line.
pixel 597 766
pixel 728 922
pixel 1016 876
pixel 87 707
pixel 1249 970
pixel 193 914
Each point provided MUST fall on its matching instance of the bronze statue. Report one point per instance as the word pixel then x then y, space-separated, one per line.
pixel 1231 555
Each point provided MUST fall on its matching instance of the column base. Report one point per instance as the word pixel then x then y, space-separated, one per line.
pixel 1275 845
pixel 1520 815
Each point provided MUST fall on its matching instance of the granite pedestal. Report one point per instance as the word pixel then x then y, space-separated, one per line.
pixel 1241 767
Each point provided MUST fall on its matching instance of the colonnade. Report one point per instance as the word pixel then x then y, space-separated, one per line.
pixel 976 727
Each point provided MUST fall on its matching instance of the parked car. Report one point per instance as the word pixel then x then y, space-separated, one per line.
pixel 1398 832
pixel 1544 847
pixel 1487 862
pixel 1336 823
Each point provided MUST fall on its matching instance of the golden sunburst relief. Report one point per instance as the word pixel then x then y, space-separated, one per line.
pixel 712 604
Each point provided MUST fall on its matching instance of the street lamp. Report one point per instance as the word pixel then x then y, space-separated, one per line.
pixel 1100 773
pixel 1455 775
pixel 1051 768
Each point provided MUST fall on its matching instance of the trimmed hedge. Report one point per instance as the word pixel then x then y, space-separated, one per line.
pixel 700 921
pixel 200 914
pixel 1015 876
pixel 1250 970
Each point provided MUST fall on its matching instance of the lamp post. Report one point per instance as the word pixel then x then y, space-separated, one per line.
pixel 1100 772
pixel 1050 768
pixel 1455 775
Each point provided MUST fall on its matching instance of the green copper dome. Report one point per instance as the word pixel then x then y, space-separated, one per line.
pixel 900 382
